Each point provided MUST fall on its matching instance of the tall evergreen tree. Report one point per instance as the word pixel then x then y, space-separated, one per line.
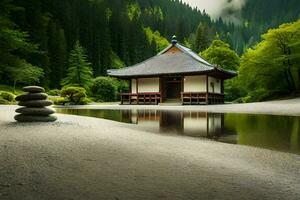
pixel 203 38
pixel 58 54
pixel 79 71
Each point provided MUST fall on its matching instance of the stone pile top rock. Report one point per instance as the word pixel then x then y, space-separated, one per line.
pixel 33 89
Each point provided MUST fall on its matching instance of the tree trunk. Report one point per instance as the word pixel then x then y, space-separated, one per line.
pixel 292 81
pixel 14 89
pixel 289 67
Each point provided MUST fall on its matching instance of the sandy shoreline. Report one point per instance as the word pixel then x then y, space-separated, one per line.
pixel 281 107
pixel 87 158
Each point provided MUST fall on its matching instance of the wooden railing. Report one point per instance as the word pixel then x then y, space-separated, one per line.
pixel 187 98
pixel 141 98
pixel 214 98
pixel 191 98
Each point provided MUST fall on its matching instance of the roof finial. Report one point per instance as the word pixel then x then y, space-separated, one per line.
pixel 174 40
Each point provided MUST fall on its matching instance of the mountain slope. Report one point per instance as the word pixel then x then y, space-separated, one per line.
pixel 113 31
pixel 257 16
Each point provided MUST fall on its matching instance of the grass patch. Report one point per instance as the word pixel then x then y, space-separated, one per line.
pixel 10 89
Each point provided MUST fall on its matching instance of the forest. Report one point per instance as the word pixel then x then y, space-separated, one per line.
pixel 49 42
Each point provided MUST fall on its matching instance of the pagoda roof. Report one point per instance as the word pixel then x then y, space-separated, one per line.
pixel 176 59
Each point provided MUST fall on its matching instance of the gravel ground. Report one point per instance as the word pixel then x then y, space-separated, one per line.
pixel 87 158
pixel 289 107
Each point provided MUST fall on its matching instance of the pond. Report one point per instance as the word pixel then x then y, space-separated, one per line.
pixel 280 133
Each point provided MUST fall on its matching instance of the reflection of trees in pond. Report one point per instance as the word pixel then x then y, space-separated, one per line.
pixel 295 136
pixel 267 131
pixel 273 132
pixel 116 115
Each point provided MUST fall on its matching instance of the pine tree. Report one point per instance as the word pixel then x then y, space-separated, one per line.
pixel 79 71
pixel 58 54
pixel 203 38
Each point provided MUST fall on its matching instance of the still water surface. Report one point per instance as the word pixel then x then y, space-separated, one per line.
pixel 280 133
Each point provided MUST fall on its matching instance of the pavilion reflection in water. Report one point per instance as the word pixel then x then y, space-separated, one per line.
pixel 194 124
pixel 265 131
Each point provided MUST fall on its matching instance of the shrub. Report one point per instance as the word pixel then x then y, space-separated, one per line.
pixel 86 101
pixel 123 86
pixel 257 95
pixel 54 92
pixel 74 95
pixel 7 96
pixel 58 100
pixel 105 89
pixel 10 89
pixel 4 102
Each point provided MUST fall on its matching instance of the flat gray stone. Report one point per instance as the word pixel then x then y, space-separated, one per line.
pixel 33 89
pixel 34 118
pixel 36 103
pixel 35 111
pixel 32 96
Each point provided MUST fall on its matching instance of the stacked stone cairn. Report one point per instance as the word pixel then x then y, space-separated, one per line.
pixel 34 104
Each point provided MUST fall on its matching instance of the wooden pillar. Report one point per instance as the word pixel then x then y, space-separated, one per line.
pixel 182 88
pixel 130 85
pixel 222 86
pixel 222 90
pixel 207 91
pixel 160 90
pixel 137 90
pixel 207 124
pixel 130 91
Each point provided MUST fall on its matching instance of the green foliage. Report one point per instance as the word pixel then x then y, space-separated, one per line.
pixel 187 43
pixel 203 38
pixel 117 63
pixel 27 74
pixel 79 71
pixel 74 95
pixel 123 86
pixel 105 89
pixel 233 90
pixel 272 65
pixel 13 50
pixel 257 95
pixel 64 101
pixel 219 53
pixel 55 92
pixel 59 101
pixel 57 54
pixel 133 11
pixel 10 89
pixel 4 102
pixel 156 37
pixel 7 96
pixel 155 12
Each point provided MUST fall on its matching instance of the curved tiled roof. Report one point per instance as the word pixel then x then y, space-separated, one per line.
pixel 183 62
